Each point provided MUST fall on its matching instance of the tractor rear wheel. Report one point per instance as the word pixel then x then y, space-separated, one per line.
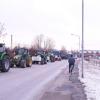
pixel 23 64
pixel 29 62
pixel 5 65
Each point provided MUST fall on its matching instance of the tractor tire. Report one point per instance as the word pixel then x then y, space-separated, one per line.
pixel 33 62
pixel 45 62
pixel 29 63
pixel 5 65
pixel 23 64
pixel 12 65
pixel 39 63
pixel 42 62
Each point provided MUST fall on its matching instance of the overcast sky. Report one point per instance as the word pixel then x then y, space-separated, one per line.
pixel 54 18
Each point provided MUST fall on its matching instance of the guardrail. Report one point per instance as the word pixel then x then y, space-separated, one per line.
pixel 95 62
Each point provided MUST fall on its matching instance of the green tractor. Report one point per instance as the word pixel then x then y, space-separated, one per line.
pixel 21 58
pixel 4 59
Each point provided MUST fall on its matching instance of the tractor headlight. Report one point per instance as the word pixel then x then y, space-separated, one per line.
pixel 17 57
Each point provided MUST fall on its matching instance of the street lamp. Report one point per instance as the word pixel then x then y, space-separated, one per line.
pixel 79 40
pixel 11 41
pixel 82 39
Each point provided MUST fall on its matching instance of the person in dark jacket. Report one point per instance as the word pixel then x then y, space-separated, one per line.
pixel 71 62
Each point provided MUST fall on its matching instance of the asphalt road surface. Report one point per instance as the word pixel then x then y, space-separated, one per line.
pixel 66 87
pixel 28 83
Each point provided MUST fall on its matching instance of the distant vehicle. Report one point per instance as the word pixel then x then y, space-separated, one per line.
pixel 57 58
pixel 36 59
pixel 39 58
pixel 57 55
pixel 64 55
pixel 87 58
pixel 48 58
pixel 52 57
pixel 21 58
pixel 4 59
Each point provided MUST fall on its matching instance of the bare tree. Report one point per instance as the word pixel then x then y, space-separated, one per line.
pixel 41 42
pixel 63 48
pixel 32 51
pixel 38 41
pixel 49 44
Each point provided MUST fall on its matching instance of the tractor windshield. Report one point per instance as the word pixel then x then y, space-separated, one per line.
pixel 2 48
pixel 20 51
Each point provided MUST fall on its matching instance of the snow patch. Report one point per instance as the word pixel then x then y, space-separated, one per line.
pixel 91 80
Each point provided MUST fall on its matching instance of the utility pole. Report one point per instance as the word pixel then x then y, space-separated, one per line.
pixel 11 41
pixel 82 39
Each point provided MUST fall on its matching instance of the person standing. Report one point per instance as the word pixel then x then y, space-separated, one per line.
pixel 71 62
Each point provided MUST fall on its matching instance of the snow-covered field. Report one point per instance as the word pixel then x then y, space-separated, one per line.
pixel 91 80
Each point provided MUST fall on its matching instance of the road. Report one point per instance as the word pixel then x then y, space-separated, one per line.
pixel 28 83
pixel 66 87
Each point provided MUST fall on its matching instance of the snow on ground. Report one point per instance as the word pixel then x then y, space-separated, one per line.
pixel 91 80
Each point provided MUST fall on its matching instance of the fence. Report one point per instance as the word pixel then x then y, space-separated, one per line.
pixel 95 62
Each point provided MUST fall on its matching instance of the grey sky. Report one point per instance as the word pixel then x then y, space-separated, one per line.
pixel 55 18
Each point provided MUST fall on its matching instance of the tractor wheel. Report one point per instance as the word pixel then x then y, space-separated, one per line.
pixel 42 62
pixel 23 64
pixel 33 62
pixel 45 62
pixel 39 63
pixel 5 65
pixel 11 65
pixel 29 63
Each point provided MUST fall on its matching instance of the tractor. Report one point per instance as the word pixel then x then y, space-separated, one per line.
pixel 4 59
pixel 21 58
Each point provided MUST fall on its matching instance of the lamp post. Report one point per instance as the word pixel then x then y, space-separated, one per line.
pixel 82 39
pixel 78 38
pixel 11 41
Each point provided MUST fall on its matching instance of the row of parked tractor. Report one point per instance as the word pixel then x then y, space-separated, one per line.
pixel 42 57
pixel 23 57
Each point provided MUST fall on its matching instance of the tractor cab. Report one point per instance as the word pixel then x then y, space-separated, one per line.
pixel 2 47
pixel 4 59
pixel 21 51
